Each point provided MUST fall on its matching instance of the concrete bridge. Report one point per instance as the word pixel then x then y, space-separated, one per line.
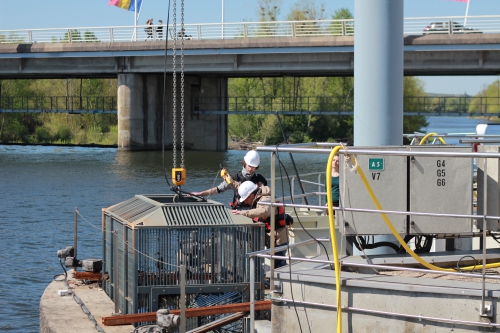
pixel 208 63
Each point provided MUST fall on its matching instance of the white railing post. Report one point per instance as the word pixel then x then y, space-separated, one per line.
pixel 111 37
pixel 30 37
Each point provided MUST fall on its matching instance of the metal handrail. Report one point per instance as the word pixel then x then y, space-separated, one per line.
pixel 484 217
pixel 413 105
pixel 234 30
pixel 59 104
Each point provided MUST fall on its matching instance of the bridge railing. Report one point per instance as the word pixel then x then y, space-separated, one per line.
pixel 236 30
pixel 62 104
pixel 413 105
pixel 328 105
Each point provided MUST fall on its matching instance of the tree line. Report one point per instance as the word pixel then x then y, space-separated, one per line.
pixel 293 93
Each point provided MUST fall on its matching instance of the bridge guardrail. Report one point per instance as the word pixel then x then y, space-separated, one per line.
pixel 62 104
pixel 328 105
pixel 237 30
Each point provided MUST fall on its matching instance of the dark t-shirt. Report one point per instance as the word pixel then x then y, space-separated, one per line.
pixel 335 189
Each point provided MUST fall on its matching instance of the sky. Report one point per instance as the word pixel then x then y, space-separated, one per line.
pixel 33 14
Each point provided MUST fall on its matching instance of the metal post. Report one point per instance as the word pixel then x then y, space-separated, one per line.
pixel 466 13
pixel 319 190
pixel 485 226
pixel 115 273
pixel 183 298
pixel 75 236
pixel 222 19
pixel 252 294
pixel 135 21
pixel 273 220
pixel 378 74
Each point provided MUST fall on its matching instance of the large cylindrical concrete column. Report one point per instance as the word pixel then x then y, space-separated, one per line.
pixel 378 72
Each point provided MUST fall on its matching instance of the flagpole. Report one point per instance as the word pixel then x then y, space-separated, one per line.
pixel 135 20
pixel 222 19
pixel 466 13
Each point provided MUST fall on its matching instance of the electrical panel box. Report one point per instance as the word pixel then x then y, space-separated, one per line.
pixel 441 185
pixel 408 184
pixel 387 177
pixel 493 188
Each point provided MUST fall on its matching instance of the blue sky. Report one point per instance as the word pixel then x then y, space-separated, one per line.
pixel 24 14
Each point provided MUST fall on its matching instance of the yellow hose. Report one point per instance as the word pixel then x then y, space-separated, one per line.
pixel 398 237
pixel 431 134
pixel 333 237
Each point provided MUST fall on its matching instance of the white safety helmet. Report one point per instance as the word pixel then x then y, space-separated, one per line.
pixel 252 158
pixel 246 189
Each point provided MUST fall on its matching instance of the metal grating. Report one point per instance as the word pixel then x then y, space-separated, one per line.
pixel 142 208
pixel 196 215
pixel 211 254
pixel 133 209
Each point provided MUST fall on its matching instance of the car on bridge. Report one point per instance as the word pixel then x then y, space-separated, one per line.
pixel 443 28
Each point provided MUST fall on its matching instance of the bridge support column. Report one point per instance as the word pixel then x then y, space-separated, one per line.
pixel 140 98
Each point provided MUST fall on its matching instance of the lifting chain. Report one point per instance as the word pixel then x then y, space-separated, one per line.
pixel 174 85
pixel 182 83
pixel 178 174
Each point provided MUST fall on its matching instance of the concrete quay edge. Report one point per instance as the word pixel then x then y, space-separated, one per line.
pixel 61 314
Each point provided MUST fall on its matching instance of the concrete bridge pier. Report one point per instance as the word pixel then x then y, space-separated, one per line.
pixel 140 110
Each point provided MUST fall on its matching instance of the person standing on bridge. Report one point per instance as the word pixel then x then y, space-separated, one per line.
pixel 250 164
pixel 149 29
pixel 159 30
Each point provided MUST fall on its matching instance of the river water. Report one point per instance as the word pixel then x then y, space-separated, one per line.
pixel 40 187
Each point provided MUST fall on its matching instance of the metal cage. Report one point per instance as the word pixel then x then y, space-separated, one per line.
pixel 147 238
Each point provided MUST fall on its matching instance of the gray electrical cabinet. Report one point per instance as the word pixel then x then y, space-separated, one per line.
pixel 387 178
pixel 441 185
pixel 408 184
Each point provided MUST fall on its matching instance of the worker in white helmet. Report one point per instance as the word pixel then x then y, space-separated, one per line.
pixel 250 195
pixel 250 163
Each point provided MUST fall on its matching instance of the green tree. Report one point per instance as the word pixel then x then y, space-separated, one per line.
pixel 12 37
pixel 48 127
pixel 268 10
pixel 343 25
pixel 412 87
pixel 488 100
pixel 75 35
pixel 89 36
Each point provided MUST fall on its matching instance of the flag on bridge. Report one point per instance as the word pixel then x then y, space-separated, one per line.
pixel 126 4
pixel 460 0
